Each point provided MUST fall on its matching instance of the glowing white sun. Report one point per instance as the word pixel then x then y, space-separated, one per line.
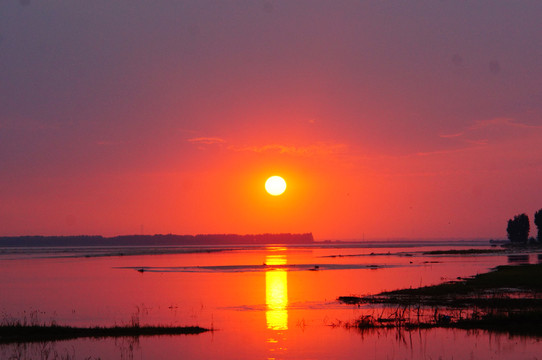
pixel 275 185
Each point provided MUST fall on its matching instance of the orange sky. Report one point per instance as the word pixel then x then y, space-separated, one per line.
pixel 387 120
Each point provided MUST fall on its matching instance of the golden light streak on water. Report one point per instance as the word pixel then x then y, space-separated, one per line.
pixel 276 294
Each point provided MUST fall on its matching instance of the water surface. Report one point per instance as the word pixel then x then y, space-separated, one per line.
pixel 268 302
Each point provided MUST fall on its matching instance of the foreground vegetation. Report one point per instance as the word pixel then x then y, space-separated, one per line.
pixel 505 299
pixel 17 333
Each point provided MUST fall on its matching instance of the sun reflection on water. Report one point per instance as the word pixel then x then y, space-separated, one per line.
pixel 276 293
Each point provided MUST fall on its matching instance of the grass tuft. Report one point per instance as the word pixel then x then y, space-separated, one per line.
pixel 19 333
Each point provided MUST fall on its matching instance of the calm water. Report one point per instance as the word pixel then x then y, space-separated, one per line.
pixel 264 302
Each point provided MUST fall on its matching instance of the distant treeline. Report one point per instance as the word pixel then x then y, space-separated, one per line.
pixel 156 240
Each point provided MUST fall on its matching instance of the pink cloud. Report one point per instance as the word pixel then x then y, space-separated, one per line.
pixel 309 150
pixel 207 140
pixel 502 122
pixel 451 136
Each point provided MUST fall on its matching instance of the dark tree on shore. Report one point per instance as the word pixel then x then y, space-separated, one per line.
pixel 538 223
pixel 518 229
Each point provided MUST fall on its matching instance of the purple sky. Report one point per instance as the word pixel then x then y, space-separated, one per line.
pixel 402 118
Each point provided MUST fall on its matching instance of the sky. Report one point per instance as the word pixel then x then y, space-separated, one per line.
pixel 387 119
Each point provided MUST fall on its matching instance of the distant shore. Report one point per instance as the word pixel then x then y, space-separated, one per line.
pixel 155 240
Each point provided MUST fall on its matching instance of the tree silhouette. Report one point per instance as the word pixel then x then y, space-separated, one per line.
pixel 518 229
pixel 538 223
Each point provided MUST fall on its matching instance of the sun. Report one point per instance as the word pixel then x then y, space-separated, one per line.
pixel 275 185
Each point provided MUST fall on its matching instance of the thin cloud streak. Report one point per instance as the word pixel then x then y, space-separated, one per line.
pixel 316 149
pixel 310 150
pixel 484 132
pixel 451 136
pixel 502 122
pixel 207 140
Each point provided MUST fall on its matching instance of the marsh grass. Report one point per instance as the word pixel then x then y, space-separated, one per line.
pixel 29 328
pixel 524 322
pixel 505 299
pixel 38 333
pixel 507 281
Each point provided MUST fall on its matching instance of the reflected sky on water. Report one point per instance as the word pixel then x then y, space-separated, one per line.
pixel 280 311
